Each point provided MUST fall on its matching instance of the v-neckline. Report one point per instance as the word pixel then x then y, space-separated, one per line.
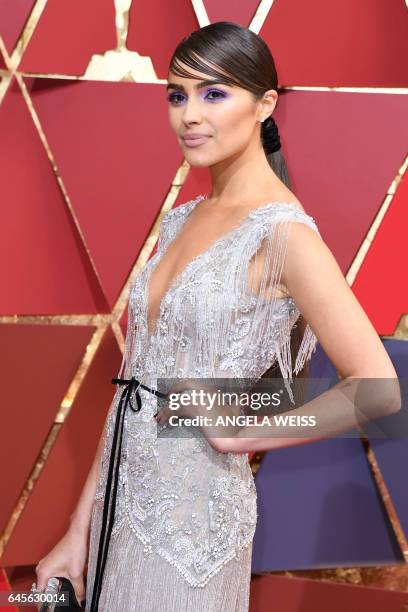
pixel 178 277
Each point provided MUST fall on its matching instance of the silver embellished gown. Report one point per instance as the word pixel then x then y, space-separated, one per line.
pixel 186 514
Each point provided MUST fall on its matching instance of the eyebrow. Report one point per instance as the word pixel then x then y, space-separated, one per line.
pixel 197 85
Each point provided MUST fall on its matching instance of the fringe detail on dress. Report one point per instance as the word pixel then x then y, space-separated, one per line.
pixel 225 316
pixel 284 357
pixel 306 349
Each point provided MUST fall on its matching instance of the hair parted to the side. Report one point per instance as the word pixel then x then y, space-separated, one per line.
pixel 240 57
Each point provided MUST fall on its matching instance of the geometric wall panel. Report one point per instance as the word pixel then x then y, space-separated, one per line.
pixel 117 158
pixel 392 459
pixel 333 53
pixel 381 285
pixel 38 363
pixel 343 151
pixel 6 586
pixel 318 506
pixel 68 34
pixel 228 10
pixel 341 43
pixel 392 454
pixel 289 594
pixel 13 16
pixel 43 262
pixel 157 26
pixel 57 490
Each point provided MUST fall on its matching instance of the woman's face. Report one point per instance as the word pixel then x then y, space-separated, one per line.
pixel 212 121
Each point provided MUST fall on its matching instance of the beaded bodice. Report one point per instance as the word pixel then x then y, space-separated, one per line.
pixel 187 502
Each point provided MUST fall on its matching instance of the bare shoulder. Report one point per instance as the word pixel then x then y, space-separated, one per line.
pixel 350 341
pixel 299 205
pixel 289 198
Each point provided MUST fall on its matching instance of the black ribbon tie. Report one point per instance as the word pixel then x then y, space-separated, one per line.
pixel 130 385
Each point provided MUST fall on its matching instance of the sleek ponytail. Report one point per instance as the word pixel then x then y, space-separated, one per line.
pixel 273 149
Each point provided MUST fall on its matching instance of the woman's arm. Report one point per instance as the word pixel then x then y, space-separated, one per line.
pixel 369 388
pixel 69 555
pixel 316 283
pixel 346 334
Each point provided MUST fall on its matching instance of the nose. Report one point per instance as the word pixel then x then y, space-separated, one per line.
pixel 192 111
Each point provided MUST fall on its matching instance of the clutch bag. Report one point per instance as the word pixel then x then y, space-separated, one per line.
pixel 57 585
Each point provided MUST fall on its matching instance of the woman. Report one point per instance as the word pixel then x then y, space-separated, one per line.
pixel 232 274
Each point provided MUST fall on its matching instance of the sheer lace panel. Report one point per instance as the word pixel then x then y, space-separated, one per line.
pixel 156 269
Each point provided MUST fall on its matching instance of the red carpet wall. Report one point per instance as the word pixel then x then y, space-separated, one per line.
pixel 89 166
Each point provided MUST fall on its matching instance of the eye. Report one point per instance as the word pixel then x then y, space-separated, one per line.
pixel 175 98
pixel 215 94
pixel 212 95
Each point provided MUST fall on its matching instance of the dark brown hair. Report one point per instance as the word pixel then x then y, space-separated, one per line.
pixel 237 56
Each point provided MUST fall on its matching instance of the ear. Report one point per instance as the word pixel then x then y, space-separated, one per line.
pixel 267 104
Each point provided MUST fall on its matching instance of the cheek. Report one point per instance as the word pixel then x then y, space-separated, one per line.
pixel 234 126
pixel 174 118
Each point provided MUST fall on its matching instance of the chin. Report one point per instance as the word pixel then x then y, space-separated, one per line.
pixel 198 162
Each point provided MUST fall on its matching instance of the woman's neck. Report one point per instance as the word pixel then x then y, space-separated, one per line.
pixel 245 179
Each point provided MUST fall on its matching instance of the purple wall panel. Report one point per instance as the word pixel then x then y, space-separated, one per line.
pixel 318 506
pixel 392 455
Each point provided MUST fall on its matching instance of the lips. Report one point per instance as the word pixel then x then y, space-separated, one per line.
pixel 194 136
pixel 194 140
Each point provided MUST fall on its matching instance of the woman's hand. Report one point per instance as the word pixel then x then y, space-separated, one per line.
pixel 163 415
pixel 185 407
pixel 67 559
pixel 165 412
pixel 219 436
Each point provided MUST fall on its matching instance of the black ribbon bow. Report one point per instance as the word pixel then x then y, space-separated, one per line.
pixel 106 529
